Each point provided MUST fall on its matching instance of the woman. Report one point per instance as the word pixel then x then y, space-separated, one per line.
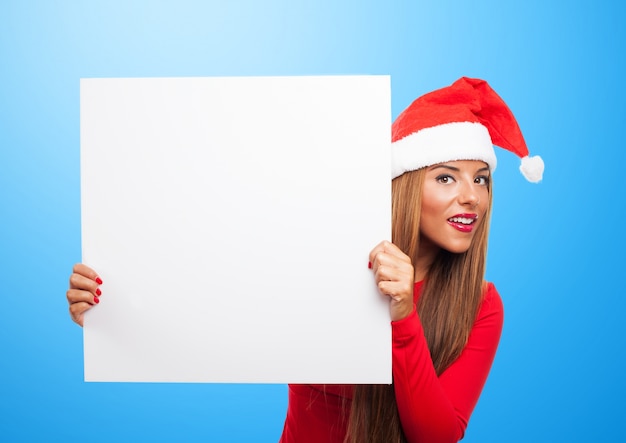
pixel 446 321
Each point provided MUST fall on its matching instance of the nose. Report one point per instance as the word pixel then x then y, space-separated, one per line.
pixel 469 196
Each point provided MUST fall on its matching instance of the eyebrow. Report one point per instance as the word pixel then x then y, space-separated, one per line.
pixel 454 168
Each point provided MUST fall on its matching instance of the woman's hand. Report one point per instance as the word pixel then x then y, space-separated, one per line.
pixel 84 291
pixel 395 278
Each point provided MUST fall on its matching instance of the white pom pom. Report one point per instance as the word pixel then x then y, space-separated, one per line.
pixel 532 168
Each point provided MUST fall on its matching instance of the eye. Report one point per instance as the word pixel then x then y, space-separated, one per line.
pixel 482 180
pixel 445 179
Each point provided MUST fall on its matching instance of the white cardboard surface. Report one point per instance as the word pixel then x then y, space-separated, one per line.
pixel 231 221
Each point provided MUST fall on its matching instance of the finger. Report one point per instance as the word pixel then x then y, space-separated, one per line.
pixel 393 250
pixel 390 267
pixel 86 271
pixel 77 311
pixel 396 290
pixel 386 248
pixel 395 285
pixel 78 281
pixel 380 247
pixel 392 274
pixel 78 296
pixel 392 261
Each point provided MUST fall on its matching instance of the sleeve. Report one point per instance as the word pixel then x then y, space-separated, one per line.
pixel 437 409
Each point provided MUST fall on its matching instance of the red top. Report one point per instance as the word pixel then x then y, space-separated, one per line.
pixel 432 409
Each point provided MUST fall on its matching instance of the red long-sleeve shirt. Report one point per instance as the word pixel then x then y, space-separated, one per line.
pixel 432 409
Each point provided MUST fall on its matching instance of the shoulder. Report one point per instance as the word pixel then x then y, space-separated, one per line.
pixel 491 295
pixel 491 306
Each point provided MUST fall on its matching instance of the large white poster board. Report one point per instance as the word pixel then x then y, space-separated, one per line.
pixel 231 221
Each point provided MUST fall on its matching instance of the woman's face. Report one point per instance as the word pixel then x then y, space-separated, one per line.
pixel 454 202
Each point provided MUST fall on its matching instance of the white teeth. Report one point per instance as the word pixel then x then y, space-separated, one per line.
pixel 463 220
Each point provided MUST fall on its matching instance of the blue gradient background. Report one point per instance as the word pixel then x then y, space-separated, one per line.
pixel 555 252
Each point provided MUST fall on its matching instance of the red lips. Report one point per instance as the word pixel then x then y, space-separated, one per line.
pixel 463 222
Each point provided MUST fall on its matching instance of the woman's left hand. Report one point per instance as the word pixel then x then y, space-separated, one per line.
pixel 395 278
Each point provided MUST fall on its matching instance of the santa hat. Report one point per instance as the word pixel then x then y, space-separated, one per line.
pixel 459 122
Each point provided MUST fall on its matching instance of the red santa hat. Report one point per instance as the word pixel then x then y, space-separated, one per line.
pixel 459 122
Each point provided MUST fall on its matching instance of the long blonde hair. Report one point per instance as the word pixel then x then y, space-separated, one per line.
pixel 447 307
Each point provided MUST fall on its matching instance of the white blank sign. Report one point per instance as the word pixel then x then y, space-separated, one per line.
pixel 231 221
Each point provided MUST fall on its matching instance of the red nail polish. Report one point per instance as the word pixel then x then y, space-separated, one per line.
pixel 98 280
pixel 369 264
pixel 98 292
pixel 96 299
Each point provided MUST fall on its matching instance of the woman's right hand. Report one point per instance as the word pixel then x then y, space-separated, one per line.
pixel 395 278
pixel 84 291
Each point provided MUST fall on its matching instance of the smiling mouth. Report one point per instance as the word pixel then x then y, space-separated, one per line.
pixel 463 220
pixel 463 223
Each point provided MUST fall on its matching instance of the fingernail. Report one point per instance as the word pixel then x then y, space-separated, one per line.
pixel 98 280
pixel 96 300
pixel 98 292
pixel 369 264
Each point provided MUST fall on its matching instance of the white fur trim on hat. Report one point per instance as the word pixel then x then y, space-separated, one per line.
pixel 442 143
